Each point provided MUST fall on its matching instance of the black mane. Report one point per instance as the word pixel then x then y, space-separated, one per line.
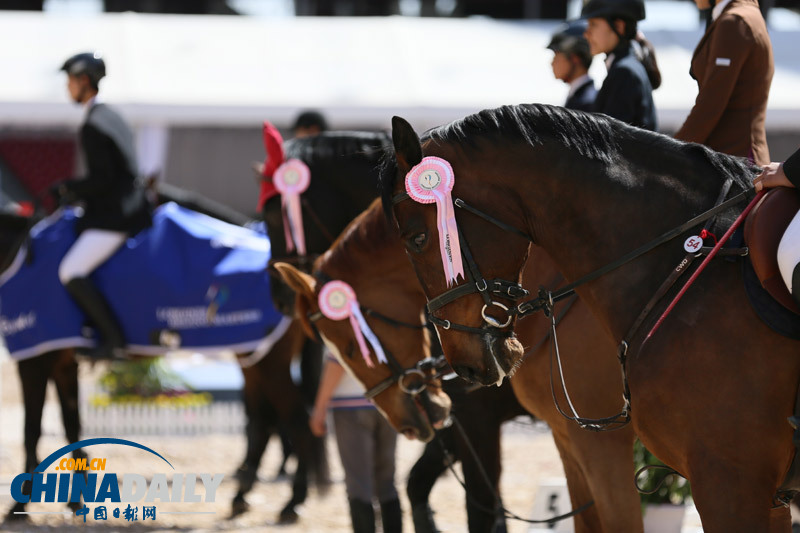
pixel 327 146
pixel 593 136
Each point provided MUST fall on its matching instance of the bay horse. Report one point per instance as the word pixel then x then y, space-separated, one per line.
pixel 711 391
pixel 598 466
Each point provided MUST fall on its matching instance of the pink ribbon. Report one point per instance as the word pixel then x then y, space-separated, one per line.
pixel 337 301
pixel 432 181
pixel 292 179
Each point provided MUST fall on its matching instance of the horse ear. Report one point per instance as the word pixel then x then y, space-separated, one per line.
pixel 300 282
pixel 407 147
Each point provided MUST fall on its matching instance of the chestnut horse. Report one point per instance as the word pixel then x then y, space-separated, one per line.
pixel 712 389
pixel 598 466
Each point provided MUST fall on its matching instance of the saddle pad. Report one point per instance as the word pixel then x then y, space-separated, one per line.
pixel 768 309
pixel 189 281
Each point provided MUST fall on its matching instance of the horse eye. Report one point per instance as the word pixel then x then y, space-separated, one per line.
pixel 418 241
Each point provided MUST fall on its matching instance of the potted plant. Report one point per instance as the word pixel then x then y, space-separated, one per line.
pixel 664 493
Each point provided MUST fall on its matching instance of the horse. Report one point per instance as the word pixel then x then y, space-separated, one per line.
pixel 711 390
pixel 598 467
pixel 270 395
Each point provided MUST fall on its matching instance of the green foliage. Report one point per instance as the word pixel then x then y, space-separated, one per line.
pixel 142 378
pixel 675 489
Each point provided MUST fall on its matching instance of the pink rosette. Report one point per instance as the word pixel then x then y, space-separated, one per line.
pixel 337 301
pixel 292 179
pixel 432 181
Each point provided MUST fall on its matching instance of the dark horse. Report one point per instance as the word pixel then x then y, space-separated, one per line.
pixel 344 175
pixel 712 389
pixel 598 467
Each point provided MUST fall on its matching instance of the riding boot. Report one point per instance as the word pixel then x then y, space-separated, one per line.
pixel 392 516
pixel 94 305
pixel 363 516
pixel 796 283
pixel 422 516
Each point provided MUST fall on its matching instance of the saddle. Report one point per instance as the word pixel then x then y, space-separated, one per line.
pixel 763 231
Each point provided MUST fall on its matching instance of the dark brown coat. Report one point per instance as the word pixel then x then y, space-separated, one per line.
pixel 733 66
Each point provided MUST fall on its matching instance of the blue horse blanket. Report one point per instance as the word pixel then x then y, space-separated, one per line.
pixel 189 282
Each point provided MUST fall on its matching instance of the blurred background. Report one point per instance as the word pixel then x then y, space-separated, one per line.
pixel 197 77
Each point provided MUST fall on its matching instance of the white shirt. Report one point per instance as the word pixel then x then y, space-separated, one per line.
pixel 717 11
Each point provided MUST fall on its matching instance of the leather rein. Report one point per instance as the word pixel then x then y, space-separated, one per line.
pixel 546 299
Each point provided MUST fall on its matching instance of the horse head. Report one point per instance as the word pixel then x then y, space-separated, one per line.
pixel 343 171
pixel 470 298
pixel 405 390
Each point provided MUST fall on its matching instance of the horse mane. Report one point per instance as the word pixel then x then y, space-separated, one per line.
pixel 594 136
pixel 369 230
pixel 329 145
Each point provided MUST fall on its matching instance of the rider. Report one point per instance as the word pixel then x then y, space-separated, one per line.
pixel 733 66
pixel 571 62
pixel 627 91
pixel 115 205
pixel 786 174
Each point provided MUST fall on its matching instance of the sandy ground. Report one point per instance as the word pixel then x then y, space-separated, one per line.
pixel 529 456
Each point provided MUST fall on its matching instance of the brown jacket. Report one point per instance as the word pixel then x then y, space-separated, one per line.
pixel 733 67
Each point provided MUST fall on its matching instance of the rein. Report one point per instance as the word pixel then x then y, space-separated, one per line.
pixel 546 299
pixel 499 511
pixel 427 369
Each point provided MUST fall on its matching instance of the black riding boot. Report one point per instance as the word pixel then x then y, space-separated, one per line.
pixel 91 301
pixel 796 284
pixel 363 516
pixel 422 516
pixel 392 516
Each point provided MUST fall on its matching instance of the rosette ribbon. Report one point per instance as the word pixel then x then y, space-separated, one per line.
pixel 337 301
pixel 432 181
pixel 292 179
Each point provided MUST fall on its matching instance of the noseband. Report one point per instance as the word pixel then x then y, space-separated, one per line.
pixel 428 369
pixel 510 291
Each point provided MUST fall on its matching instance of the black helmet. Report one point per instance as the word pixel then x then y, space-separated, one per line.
pixel 569 39
pixel 87 63
pixel 611 9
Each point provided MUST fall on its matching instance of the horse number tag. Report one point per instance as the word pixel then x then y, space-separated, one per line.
pixel 432 181
pixel 337 301
pixel 292 179
pixel 693 244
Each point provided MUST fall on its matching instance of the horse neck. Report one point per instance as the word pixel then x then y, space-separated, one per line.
pixel 587 214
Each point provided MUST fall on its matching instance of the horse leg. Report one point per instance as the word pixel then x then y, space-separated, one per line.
pixel 33 374
pixel 606 461
pixel 259 415
pixel 65 377
pixel 286 398
pixel 481 473
pixel 579 492
pixel 423 475
pixel 733 500
pixel 302 441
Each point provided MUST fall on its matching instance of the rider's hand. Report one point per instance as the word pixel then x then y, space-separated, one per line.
pixel 772 176
pixel 317 422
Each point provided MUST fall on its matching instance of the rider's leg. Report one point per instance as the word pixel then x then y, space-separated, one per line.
pixel 92 249
pixel 789 257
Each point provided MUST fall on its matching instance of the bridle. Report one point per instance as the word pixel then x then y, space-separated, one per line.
pixel 509 291
pixel 426 370
pixel 546 299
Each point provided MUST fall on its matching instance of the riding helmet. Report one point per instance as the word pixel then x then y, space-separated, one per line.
pixel 569 39
pixel 611 9
pixel 88 63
